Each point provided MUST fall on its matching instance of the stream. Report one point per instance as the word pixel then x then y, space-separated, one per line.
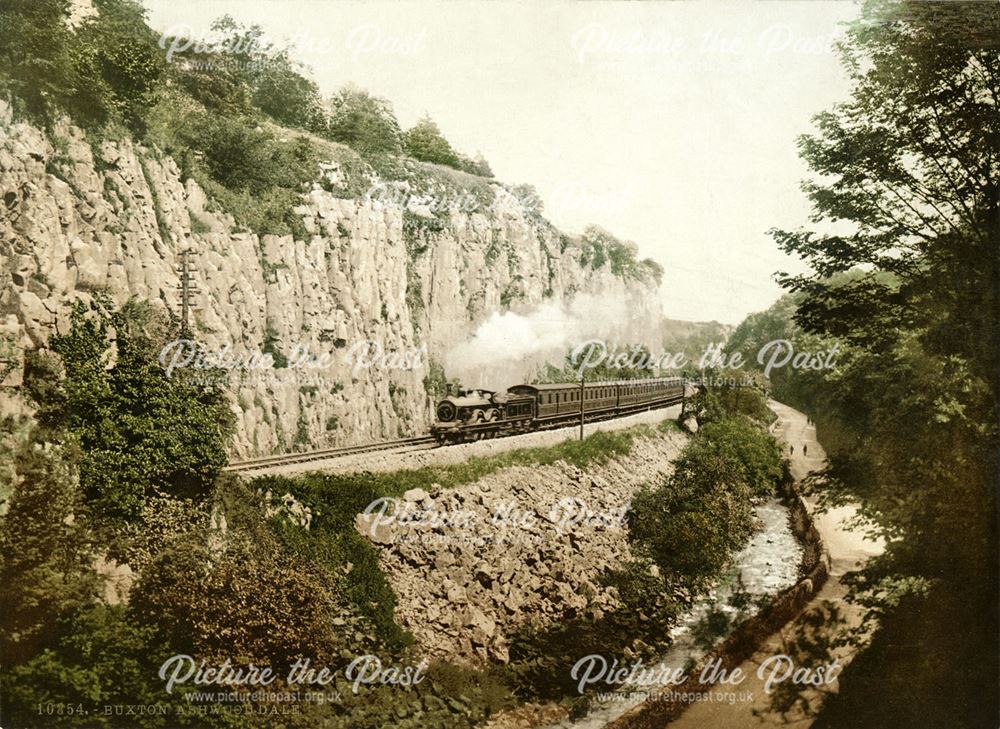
pixel 767 565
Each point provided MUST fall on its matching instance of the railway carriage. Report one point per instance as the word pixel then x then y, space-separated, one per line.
pixel 478 414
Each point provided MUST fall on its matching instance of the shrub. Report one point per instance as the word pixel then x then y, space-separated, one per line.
pixel 107 71
pixel 364 122
pixel 540 655
pixel 118 65
pixel 256 176
pixel 45 550
pixel 425 142
pixel 200 599
pixel 598 247
pixel 691 523
pixel 753 451
pixel 270 346
pixel 101 656
pixel 140 430
pixel 715 402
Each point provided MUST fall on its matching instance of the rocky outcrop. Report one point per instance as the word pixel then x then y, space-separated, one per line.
pixel 79 215
pixel 471 565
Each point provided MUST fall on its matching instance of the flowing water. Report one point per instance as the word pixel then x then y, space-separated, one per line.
pixel 766 566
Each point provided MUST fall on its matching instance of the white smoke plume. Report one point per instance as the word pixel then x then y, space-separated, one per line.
pixel 510 346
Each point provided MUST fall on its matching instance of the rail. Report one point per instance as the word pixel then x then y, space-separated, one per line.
pixel 285 459
pixel 288 459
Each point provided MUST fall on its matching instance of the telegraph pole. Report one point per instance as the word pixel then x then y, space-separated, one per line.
pixel 582 376
pixel 188 289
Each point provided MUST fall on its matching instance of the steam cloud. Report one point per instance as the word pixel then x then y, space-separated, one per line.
pixel 508 347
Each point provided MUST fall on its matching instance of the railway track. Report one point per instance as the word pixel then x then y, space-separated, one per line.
pixel 256 464
pixel 420 441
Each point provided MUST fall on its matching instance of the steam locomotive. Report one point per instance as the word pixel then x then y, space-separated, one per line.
pixel 478 414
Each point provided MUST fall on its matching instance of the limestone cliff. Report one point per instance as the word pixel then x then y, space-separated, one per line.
pixel 80 215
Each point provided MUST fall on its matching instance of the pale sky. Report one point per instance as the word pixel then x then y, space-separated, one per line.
pixel 670 124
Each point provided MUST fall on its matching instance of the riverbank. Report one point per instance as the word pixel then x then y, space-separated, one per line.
pixel 846 549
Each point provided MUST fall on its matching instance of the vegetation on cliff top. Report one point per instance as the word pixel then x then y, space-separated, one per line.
pixel 241 117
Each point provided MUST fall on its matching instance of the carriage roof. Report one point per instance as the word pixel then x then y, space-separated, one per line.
pixel 599 383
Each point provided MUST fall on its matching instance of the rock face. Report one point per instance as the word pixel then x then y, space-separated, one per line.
pixel 79 215
pixel 470 565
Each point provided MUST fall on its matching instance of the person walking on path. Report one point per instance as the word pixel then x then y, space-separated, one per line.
pixel 791 450
pixel 805 449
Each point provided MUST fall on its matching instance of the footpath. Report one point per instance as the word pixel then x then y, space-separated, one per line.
pixel 846 549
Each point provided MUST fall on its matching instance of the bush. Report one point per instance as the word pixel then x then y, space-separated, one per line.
pixel 45 551
pixel 198 597
pixel 103 657
pixel 753 452
pixel 541 655
pixel 598 247
pixel 140 431
pixel 118 66
pixel 107 71
pixel 692 522
pixel 364 122
pixel 715 402
pixel 256 176
pixel 425 142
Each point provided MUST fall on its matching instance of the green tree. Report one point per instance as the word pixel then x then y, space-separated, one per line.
pixel 204 601
pixel 45 551
pixel 476 166
pixel 705 502
pixel 715 400
pixel 425 142
pixel 282 92
pixel 35 60
pixel 118 65
pixel 99 655
pixel 140 430
pixel 106 71
pixel 364 122
pixel 910 162
pixel 751 449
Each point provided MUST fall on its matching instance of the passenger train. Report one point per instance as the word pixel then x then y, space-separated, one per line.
pixel 478 414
